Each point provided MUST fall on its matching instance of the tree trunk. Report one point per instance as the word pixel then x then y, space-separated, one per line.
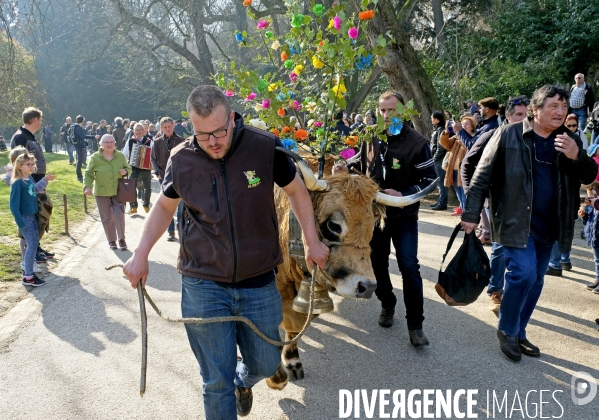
pixel 401 64
pixel 439 23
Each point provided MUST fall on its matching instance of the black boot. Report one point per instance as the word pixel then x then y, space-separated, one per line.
pixel 386 317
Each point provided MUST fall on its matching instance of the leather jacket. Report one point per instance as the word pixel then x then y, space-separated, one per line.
pixel 505 174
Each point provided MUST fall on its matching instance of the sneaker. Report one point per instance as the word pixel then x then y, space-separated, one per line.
pixel 495 302
pixel 553 271
pixel 39 258
pixel 566 266
pixel 457 211
pixel 439 207
pixel 386 317
pixel 244 399
pixel 591 286
pixel 46 254
pixel 112 244
pixel 34 281
pixel 417 338
pixel 122 244
pixel 147 209
pixel 36 267
pixel 596 290
pixel 133 210
pixel 171 237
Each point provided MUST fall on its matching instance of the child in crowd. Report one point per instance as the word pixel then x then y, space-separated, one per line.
pixel 39 186
pixel 23 206
pixel 591 230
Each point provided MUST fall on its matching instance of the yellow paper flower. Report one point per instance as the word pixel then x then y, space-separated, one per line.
pixel 317 63
pixel 339 90
pixel 272 87
pixel 258 108
pixel 298 69
pixel 275 45
pixel 311 107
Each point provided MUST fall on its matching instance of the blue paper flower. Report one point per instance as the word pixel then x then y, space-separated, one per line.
pixel 281 96
pixel 396 126
pixel 291 95
pixel 239 37
pixel 364 62
pixel 295 50
pixel 290 144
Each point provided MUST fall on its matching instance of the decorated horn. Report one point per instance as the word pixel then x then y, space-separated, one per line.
pixel 393 201
pixel 310 180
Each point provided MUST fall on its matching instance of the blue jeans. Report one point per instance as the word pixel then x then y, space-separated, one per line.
pixel 596 255
pixel 497 262
pixel 70 149
pixel 214 345
pixel 440 186
pixel 524 279
pixel 594 137
pixel 582 115
pixel 404 235
pixel 30 234
pixel 459 191
pixel 557 258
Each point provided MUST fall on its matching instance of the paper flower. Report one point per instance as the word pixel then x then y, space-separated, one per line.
pixel 239 37
pixel 287 129
pixel 364 62
pixel 258 123
pixel 266 103
pixel 281 112
pixel 347 153
pixel 317 63
pixel 298 69
pixel 337 22
pixel 396 126
pixel 272 87
pixel 293 76
pixel 246 3
pixel 351 141
pixel 263 24
pixel 353 33
pixel 283 55
pixel 257 107
pixel 275 45
pixel 268 34
pixel 290 144
pixel 295 105
pixel 368 14
pixel 311 107
pixel 300 134
pixel 318 124
pixel 291 95
pixel 250 97
pixel 281 97
pixel 339 90
pixel 297 21
pixel 318 9
pixel 262 85
pixel 229 92
pixel 294 50
pixel 288 64
pixel 275 132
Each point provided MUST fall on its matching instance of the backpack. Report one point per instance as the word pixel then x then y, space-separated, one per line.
pixel 71 138
pixel 467 274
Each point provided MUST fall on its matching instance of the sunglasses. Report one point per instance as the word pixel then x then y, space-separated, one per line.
pixel 572 125
pixel 520 101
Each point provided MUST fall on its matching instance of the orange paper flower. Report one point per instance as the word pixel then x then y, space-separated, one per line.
pixel 246 3
pixel 368 14
pixel 301 134
pixel 287 129
pixel 351 141
pixel 284 56
pixel 281 112
pixel 275 132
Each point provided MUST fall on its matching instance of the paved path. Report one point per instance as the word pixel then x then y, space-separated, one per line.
pixel 72 350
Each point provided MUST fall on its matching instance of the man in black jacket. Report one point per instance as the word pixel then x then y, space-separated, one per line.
pixel 439 152
pixel 532 173
pixel 401 166
pixel 80 144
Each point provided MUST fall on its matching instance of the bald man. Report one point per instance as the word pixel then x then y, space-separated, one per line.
pixel 582 99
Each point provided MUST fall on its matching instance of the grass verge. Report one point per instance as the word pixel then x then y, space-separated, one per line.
pixel 65 183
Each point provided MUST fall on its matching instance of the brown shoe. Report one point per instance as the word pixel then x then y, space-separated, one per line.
pixel 133 210
pixel 122 244
pixel 147 209
pixel 495 302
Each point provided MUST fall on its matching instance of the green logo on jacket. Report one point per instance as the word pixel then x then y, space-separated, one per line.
pixel 396 164
pixel 253 180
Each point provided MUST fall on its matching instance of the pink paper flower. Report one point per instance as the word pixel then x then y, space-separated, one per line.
pixel 250 97
pixel 263 24
pixel 337 22
pixel 295 105
pixel 348 153
pixel 353 33
pixel 229 93
pixel 266 103
pixel 293 76
pixel 318 124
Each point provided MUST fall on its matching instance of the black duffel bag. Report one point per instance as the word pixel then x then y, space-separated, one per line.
pixel 467 274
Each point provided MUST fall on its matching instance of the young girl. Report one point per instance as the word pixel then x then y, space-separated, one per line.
pixel 23 206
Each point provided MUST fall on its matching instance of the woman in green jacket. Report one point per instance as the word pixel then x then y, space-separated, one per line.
pixel 104 170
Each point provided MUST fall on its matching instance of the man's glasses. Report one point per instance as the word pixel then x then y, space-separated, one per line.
pixel 520 101
pixel 217 134
pixel 572 126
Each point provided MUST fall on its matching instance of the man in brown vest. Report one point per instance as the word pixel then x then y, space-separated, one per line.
pixel 225 176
